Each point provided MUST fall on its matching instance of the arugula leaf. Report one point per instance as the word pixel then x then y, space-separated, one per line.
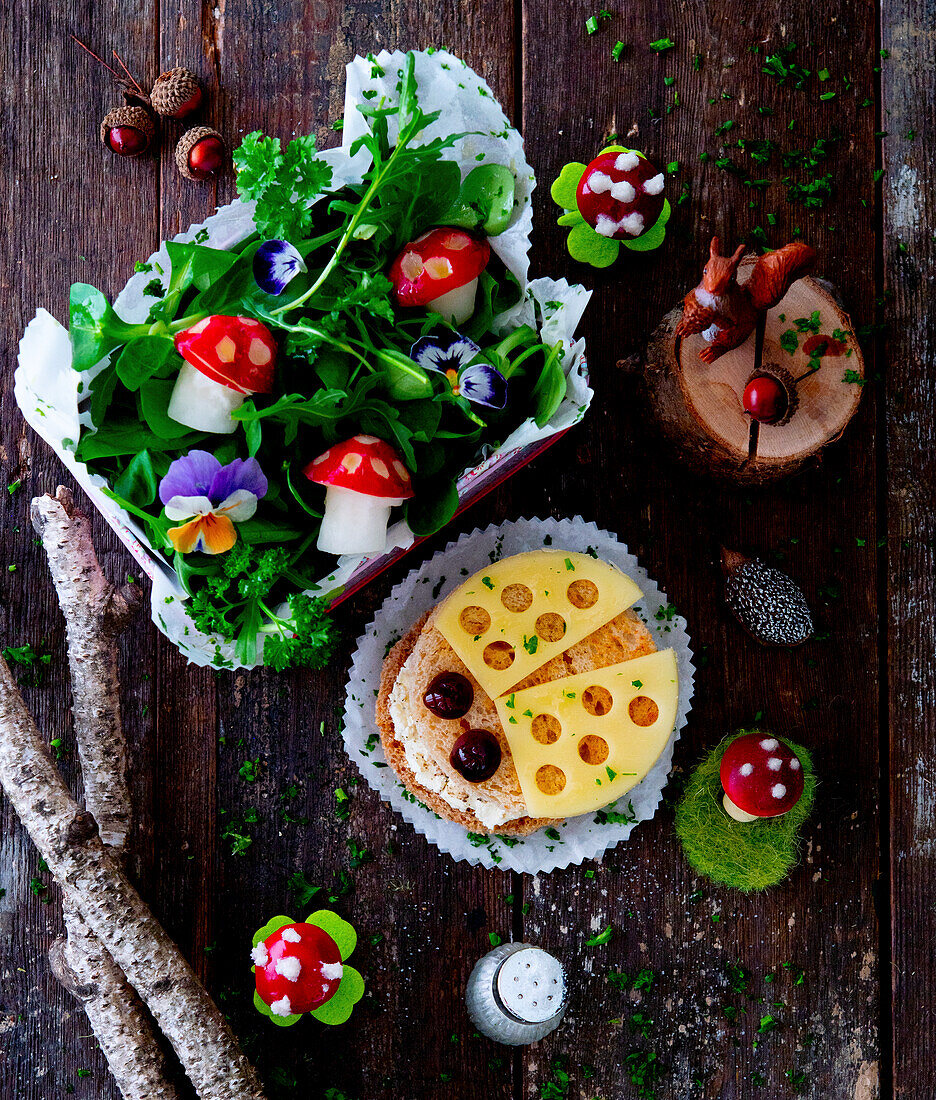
pixel 145 357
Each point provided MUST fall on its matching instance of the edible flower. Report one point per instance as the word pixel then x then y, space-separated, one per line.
pixel 451 354
pixel 276 264
pixel 212 498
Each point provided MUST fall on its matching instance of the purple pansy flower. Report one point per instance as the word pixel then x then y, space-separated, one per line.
pixel 211 498
pixel 275 264
pixel 451 354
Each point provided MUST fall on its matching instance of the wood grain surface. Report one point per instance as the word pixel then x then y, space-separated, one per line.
pixel 837 1002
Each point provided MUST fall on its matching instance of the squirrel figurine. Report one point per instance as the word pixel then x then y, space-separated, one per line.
pixel 726 311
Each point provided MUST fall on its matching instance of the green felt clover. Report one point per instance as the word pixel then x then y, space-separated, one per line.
pixel 584 243
pixel 338 1007
pixel 749 856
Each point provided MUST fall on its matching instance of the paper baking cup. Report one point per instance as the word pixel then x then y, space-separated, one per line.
pixel 579 838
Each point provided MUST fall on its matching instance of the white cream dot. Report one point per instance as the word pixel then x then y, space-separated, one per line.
pixel 626 162
pixel 778 790
pixel 623 191
pixel 260 955
pixel 633 224
pixel 775 763
pixel 769 744
pixel 794 765
pixel 288 967
pixel 599 182
pixel 282 1007
pixel 746 769
pixel 606 226
pixel 291 935
pixel 332 971
pixel 654 185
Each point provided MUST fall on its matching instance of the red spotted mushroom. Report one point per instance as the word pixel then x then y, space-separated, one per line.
pixel 439 271
pixel 620 194
pixel 363 478
pixel 297 969
pixel 226 359
pixel 762 777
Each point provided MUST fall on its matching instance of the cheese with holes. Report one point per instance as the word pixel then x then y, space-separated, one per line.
pixel 512 617
pixel 583 741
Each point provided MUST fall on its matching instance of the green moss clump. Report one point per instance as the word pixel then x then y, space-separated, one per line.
pixel 747 856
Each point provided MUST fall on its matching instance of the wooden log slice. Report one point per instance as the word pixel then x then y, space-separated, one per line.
pixel 699 406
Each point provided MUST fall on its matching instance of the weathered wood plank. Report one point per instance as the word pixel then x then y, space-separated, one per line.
pixel 72 211
pixel 909 37
pixel 822 920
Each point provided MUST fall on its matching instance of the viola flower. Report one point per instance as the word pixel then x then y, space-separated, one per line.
pixel 212 498
pixel 275 264
pixel 451 354
pixel 615 201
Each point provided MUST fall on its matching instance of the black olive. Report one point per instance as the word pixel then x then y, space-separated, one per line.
pixel 476 755
pixel 449 695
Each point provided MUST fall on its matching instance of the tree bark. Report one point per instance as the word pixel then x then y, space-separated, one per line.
pixel 67 840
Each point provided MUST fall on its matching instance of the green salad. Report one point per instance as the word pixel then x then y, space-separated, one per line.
pixel 304 365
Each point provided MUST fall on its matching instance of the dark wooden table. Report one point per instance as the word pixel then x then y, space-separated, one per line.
pixel 840 956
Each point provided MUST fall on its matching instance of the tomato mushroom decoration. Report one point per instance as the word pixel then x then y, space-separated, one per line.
pixel 226 360
pixel 300 967
pixel 439 271
pixel 364 478
pixel 762 777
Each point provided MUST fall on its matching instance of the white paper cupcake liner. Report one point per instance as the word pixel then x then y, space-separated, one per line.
pixel 579 838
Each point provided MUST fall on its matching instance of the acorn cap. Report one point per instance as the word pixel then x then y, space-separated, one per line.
pixel 769 604
pixel 187 143
pixel 137 117
pixel 176 93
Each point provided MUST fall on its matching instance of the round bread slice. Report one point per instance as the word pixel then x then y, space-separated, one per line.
pixel 417 744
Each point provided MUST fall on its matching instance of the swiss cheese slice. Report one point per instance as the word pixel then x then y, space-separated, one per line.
pixel 509 619
pixel 581 742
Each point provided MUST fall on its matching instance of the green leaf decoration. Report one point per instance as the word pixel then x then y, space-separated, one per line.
pixel 404 379
pixel 340 931
pixel 748 856
pixel 589 247
pixel 145 357
pixel 564 188
pixel 271 926
pixel 338 1008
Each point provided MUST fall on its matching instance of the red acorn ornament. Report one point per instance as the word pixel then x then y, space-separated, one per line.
pixel 200 153
pixel 176 93
pixel 127 131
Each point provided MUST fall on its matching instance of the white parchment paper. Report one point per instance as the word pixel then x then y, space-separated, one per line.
pixel 48 391
pixel 580 838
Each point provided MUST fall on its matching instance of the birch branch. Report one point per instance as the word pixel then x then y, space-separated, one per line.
pixel 95 612
pixel 67 839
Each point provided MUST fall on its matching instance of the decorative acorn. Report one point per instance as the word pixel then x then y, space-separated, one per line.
pixel 200 153
pixel 770 396
pixel 176 93
pixel 128 131
pixel 767 603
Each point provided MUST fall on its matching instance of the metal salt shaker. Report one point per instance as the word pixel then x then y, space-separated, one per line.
pixel 516 994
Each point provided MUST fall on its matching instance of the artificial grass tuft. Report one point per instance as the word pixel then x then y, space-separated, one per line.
pixel 748 857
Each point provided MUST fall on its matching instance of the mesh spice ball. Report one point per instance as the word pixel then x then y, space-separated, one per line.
pixel 769 604
pixel 176 93
pixel 127 131
pixel 200 153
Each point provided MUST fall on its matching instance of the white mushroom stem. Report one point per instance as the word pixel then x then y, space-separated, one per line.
pixel 199 402
pixel 354 523
pixel 736 812
pixel 457 305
